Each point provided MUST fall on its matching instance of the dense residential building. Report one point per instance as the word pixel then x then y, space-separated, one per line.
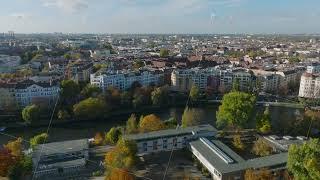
pixel 184 79
pixel 79 70
pixel 60 158
pixel 216 79
pixel 7 96
pixel 310 83
pixel 9 63
pixel 29 92
pixel 123 80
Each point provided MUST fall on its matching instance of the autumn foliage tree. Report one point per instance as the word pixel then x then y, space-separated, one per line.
pixel 120 174
pixel 150 123
pixel 15 147
pixel 123 156
pixel 260 174
pixel 7 160
pixel 261 148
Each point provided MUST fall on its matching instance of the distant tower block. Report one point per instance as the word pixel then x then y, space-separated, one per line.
pixel 11 34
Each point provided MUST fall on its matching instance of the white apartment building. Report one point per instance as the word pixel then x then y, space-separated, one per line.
pixel 123 80
pixel 210 78
pixel 184 79
pixel 29 92
pixel 310 86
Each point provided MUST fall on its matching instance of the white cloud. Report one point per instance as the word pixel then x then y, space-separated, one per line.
pixel 70 6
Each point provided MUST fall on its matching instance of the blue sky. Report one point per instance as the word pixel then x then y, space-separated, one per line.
pixel 161 16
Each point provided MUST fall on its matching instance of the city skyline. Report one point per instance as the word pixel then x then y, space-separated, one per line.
pixel 169 16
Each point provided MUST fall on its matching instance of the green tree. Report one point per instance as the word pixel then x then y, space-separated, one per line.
pixel 194 93
pixel 126 99
pixel 63 115
pixel 31 114
pixel 113 135
pixel 263 123
pixel 171 123
pixel 191 117
pixel 261 148
pixel 236 85
pixel 304 160
pixel 159 96
pixel 164 52
pixel 90 91
pixel 38 139
pixel 236 109
pixel 132 125
pixel 20 169
pixel 69 90
pixel 91 108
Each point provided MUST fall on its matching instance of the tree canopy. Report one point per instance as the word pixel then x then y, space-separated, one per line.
pixel 69 89
pixel 30 113
pixel 113 135
pixel 38 139
pixel 236 109
pixel 191 117
pixel 159 96
pixel 304 160
pixel 263 123
pixel 90 91
pixel 90 108
pixel 150 123
pixel 164 52
pixel 262 148
pixel 132 124
pixel 123 156
pixel 194 93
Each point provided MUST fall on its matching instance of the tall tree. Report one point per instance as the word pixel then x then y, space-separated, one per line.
pixel 263 123
pixel 123 156
pixel 69 90
pixel 132 124
pixel 191 117
pixel 150 123
pixel 30 113
pixel 236 109
pixel 90 91
pixel 194 93
pixel 304 160
pixel 159 96
pixel 113 135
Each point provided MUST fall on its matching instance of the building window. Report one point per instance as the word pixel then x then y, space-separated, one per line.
pixel 155 145
pixel 165 145
pixel 145 146
pixel 174 141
